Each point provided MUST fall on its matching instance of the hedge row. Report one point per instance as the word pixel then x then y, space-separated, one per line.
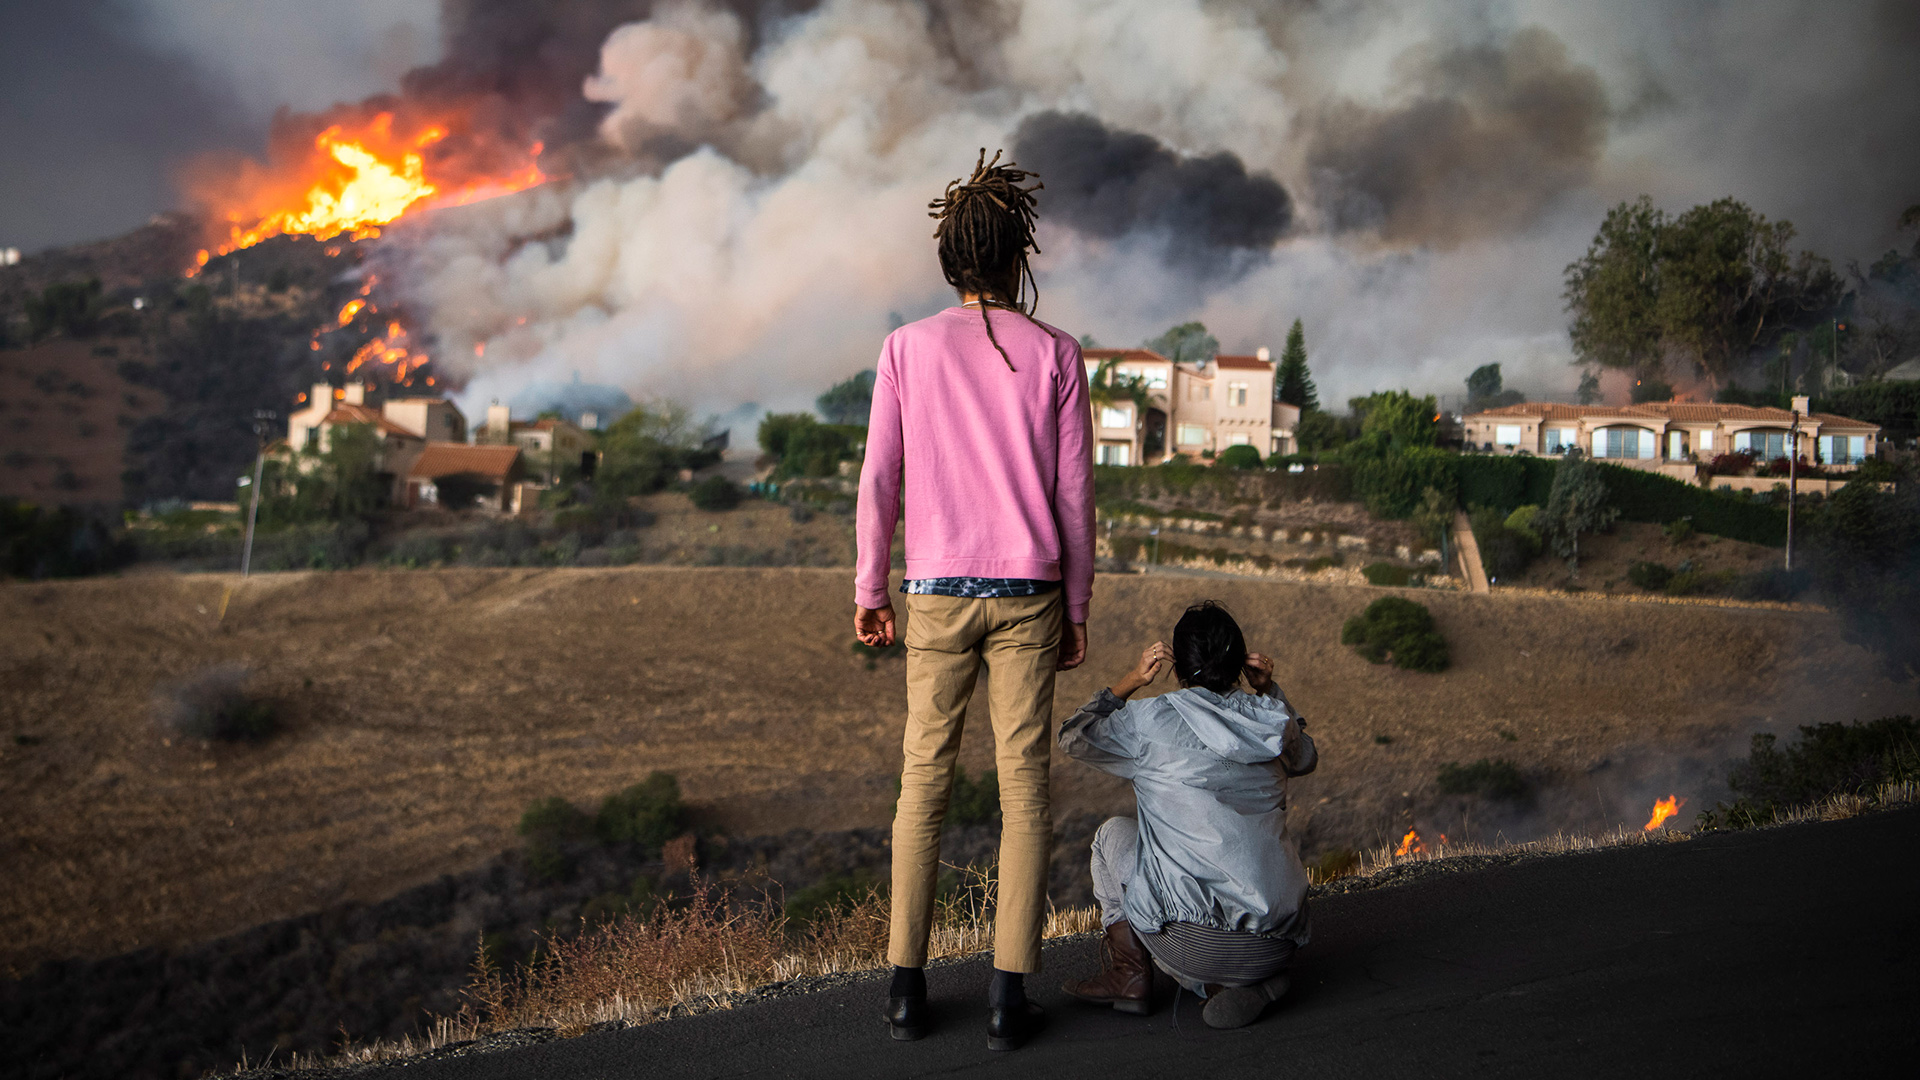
pixel 1505 483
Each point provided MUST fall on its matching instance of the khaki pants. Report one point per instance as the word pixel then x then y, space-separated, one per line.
pixel 947 638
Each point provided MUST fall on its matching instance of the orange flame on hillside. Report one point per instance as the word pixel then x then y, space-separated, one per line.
pixel 358 175
pixel 1662 810
pixel 1411 844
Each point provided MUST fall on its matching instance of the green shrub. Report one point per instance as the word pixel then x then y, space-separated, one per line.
pixel 649 813
pixel 1239 457
pixel 1823 761
pixel 974 802
pixel 1650 497
pixel 715 493
pixel 1521 521
pixel 1381 573
pixel 1652 576
pixel 1397 629
pixel 1391 482
pixel 835 895
pixel 1504 552
pixel 215 704
pixel 555 817
pixel 1503 482
pixel 1494 779
pixel 416 550
pixel 1679 531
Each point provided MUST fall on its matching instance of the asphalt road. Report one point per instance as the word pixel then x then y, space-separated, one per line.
pixel 1784 952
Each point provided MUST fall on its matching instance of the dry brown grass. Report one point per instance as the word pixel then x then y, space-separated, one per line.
pixel 423 710
pixel 705 952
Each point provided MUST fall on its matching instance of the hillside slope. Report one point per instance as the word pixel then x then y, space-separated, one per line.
pixel 426 709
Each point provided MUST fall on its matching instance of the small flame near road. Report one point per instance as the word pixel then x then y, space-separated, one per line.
pixel 1411 844
pixel 1662 810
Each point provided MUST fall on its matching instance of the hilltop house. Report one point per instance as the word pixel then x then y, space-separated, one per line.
pixel 1192 409
pixel 461 474
pixel 550 445
pixel 1673 437
pixel 424 453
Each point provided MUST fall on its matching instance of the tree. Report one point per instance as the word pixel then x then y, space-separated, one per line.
pixel 1188 343
pixel 1866 559
pixel 71 307
pixel 1394 460
pixel 1708 287
pixel 1578 503
pixel 1319 431
pixel 1885 316
pixel 1589 387
pixel 1395 419
pixel 1484 392
pixel 1294 383
pixel 1612 291
pixel 804 446
pixel 1729 286
pixel 848 402
pixel 1109 387
pixel 641 451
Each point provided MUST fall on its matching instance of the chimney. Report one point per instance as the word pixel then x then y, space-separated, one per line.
pixel 356 393
pixel 590 421
pixel 499 419
pixel 1801 404
pixel 320 397
pixel 1264 354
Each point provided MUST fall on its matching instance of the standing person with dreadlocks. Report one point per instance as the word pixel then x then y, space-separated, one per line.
pixel 980 420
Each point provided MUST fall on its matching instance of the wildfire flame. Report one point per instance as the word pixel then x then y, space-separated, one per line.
pixel 358 177
pixel 1662 810
pixel 1411 844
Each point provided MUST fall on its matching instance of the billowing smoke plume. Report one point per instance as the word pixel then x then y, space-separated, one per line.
pixel 747 182
pixel 1110 184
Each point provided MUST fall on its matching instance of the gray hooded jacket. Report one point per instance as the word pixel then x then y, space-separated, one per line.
pixel 1209 776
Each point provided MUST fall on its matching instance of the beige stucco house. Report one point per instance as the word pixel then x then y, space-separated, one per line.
pixel 1673 437
pixel 549 445
pixel 1192 409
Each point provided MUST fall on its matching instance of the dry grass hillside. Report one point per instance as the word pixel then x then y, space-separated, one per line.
pixel 64 416
pixel 426 708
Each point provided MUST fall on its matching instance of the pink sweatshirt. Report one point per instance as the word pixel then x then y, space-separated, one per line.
pixel 997 464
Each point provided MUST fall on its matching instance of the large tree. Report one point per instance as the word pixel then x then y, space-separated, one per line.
pixel 1293 383
pixel 1707 288
pixel 848 402
pixel 1188 343
pixel 1484 390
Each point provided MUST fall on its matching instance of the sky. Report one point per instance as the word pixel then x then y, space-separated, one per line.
pixel 1409 178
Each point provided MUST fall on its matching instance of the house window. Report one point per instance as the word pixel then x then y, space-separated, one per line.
pixel 1763 445
pixel 1237 439
pixel 1116 454
pixel 1507 434
pixel 1237 393
pixel 1190 434
pixel 1843 449
pixel 1676 445
pixel 1706 440
pixel 1623 443
pixel 1200 391
pixel 1111 417
pixel 1155 378
pixel 313 438
pixel 1560 439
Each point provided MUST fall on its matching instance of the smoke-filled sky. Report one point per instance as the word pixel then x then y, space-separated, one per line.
pixel 748 210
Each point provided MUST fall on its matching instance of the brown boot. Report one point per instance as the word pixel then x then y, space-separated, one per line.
pixel 1124 981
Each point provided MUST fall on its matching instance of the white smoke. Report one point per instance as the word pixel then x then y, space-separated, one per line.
pixel 771 216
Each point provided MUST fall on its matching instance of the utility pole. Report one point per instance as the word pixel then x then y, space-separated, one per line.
pixel 262 423
pixel 1793 476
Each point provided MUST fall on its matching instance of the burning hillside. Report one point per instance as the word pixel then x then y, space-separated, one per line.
pixel 355 175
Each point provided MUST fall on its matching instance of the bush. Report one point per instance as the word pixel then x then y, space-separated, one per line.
pixel 974 802
pixel 51 542
pixel 1504 552
pixel 1239 457
pixel 1391 482
pixel 1824 760
pixel 1645 496
pixel 215 704
pixel 557 818
pixel 1652 576
pixel 715 493
pixel 1381 573
pixel 649 813
pixel 1396 628
pixel 835 895
pixel 1495 779
pixel 415 550
pixel 1679 531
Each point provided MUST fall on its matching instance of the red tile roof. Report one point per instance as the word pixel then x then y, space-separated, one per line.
pixel 344 413
pixel 1246 362
pixel 446 459
pixel 1124 354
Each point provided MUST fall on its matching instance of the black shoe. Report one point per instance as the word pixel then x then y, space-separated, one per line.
pixel 1007 1029
pixel 907 1017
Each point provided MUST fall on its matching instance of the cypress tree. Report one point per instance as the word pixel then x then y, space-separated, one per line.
pixel 1295 382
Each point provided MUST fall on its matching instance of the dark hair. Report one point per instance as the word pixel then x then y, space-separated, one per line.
pixel 985 231
pixel 1208 649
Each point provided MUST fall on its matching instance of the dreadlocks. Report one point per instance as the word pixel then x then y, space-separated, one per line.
pixel 985 231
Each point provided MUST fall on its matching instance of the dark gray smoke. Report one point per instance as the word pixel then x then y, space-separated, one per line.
pixel 1488 136
pixel 1110 183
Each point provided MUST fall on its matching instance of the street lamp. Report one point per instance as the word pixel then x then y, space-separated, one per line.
pixel 262 423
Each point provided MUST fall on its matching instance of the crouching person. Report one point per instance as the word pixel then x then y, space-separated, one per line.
pixel 1205 882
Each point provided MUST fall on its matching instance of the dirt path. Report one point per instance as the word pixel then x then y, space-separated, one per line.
pixel 425 709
